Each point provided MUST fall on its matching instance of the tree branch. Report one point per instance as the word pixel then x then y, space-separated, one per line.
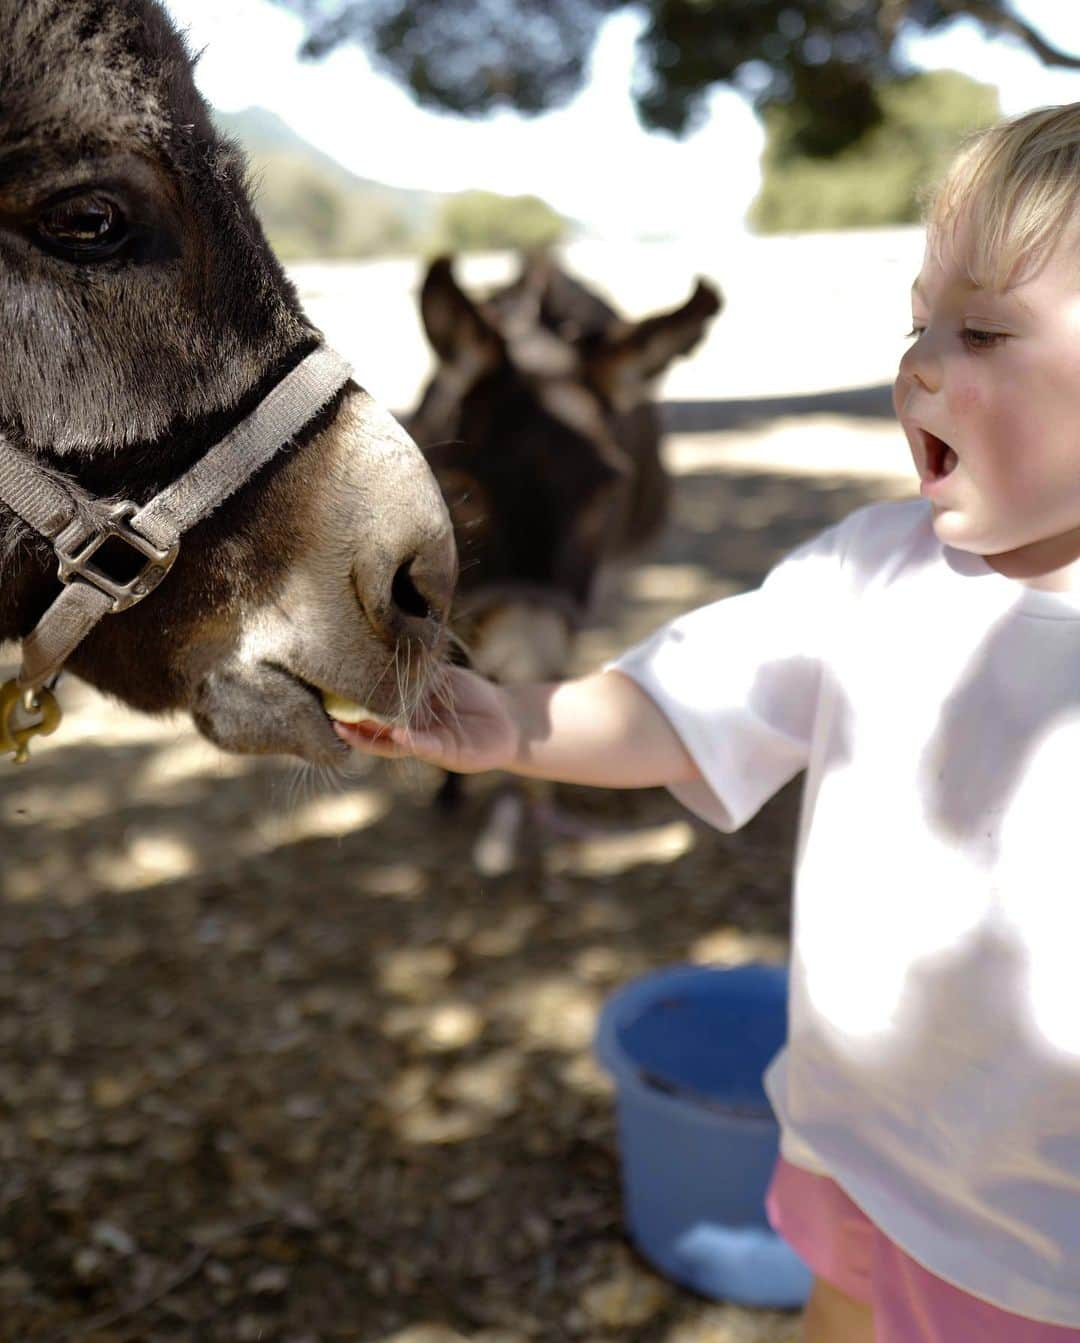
pixel 1004 21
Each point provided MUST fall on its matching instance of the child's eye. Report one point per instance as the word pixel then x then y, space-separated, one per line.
pixel 982 340
pixel 915 332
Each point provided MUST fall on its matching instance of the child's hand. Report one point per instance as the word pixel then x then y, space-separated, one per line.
pixel 469 727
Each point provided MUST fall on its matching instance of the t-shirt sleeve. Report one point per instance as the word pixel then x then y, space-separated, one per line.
pixel 740 681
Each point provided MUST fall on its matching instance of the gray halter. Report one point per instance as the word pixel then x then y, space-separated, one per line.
pixel 77 525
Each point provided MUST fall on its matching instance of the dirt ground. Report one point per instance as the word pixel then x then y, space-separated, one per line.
pixel 276 1064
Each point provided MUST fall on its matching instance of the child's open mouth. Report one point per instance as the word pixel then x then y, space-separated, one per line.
pixel 940 459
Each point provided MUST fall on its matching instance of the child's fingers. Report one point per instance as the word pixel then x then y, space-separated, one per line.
pixel 391 743
pixel 423 745
pixel 385 743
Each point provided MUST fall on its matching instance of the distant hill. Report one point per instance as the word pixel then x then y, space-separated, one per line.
pixel 313 206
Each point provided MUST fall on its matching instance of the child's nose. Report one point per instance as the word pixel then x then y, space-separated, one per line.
pixel 921 364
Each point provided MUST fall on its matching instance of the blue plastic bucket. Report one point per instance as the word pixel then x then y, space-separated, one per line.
pixel 687 1047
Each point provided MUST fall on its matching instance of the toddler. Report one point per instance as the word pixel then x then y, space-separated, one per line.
pixel 921 662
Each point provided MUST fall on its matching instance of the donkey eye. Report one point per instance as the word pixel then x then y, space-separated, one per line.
pixel 83 228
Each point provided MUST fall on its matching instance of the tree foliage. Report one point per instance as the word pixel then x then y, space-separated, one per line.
pixel 825 59
pixel 879 178
pixel 481 220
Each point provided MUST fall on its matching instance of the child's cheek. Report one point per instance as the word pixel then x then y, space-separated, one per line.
pixel 966 400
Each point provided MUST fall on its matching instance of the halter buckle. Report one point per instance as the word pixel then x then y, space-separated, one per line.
pixel 75 563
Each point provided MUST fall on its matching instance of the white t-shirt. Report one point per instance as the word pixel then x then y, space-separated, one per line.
pixel 933 1058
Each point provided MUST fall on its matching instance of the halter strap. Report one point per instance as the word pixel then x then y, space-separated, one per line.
pixel 77 524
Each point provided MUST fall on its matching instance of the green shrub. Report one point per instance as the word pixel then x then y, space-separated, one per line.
pixel 879 179
pixel 481 220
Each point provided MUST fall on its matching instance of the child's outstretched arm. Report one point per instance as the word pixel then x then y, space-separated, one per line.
pixel 600 729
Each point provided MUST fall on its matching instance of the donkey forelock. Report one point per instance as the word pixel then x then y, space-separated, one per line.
pixel 100 95
pixel 106 66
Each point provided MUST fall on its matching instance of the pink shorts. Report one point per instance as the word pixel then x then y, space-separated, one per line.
pixel 910 1305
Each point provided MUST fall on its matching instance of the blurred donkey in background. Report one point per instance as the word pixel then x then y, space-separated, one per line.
pixel 540 427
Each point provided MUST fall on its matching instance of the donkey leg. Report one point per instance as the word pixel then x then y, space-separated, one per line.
pixel 497 850
pixel 451 794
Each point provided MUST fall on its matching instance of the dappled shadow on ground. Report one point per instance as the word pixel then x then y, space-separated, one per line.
pixel 276 1064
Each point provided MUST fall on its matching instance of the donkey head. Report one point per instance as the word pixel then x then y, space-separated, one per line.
pixel 539 426
pixel 142 315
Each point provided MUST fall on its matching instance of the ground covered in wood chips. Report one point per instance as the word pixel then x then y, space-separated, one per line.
pixel 276 1064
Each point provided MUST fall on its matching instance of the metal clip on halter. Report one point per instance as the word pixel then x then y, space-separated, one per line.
pixel 17 739
pixel 74 550
pixel 76 563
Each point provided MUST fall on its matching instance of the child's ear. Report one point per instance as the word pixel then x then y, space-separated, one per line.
pixel 459 333
pixel 622 365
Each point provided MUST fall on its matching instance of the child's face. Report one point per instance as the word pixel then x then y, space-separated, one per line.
pixel 989 398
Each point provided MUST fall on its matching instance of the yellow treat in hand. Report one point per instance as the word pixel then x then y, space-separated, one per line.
pixel 344 710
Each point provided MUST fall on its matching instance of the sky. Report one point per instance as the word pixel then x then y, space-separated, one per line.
pixel 591 160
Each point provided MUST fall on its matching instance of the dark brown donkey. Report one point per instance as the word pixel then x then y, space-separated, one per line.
pixel 540 427
pixel 142 317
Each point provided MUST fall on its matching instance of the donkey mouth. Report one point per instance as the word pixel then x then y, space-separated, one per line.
pixel 343 710
pixel 356 716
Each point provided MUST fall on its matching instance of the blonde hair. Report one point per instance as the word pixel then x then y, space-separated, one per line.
pixel 1010 195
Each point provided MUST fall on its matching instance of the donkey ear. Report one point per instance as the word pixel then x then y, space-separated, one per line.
pixel 537 265
pixel 623 364
pixel 458 331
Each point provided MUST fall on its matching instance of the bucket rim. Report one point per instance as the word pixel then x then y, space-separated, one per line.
pixel 637 994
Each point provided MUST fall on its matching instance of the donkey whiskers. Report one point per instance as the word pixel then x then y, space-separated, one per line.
pixel 442 708
pixel 390 666
pixel 409 696
pixel 400 682
pixel 460 644
pixel 300 785
pixel 330 777
pixel 429 684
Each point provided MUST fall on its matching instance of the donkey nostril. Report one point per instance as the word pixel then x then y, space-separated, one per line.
pixel 406 596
